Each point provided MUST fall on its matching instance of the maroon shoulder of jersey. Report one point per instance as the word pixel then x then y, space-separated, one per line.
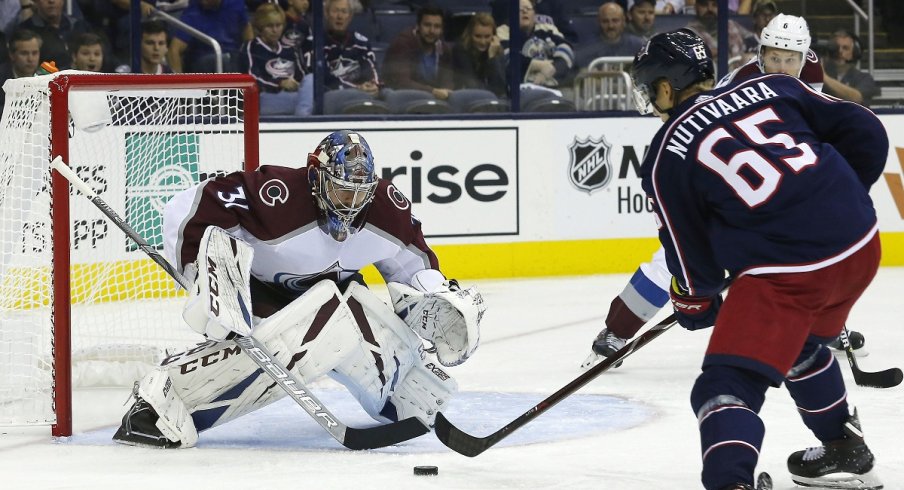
pixel 812 71
pixel 390 211
pixel 270 202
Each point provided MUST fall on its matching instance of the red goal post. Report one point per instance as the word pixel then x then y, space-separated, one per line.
pixel 76 298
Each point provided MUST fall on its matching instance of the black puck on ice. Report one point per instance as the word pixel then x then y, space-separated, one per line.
pixel 426 470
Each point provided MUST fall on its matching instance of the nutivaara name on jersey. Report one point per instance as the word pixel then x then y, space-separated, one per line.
pixel 718 107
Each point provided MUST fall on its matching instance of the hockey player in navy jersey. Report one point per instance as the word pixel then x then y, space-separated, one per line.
pixel 784 48
pixel 306 233
pixel 768 180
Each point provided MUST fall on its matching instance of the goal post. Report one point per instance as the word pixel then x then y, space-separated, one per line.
pixel 76 297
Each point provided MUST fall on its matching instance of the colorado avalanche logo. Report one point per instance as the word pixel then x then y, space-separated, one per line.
pixel 274 191
pixel 590 168
pixel 397 198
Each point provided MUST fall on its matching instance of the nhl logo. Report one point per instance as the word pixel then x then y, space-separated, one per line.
pixel 590 169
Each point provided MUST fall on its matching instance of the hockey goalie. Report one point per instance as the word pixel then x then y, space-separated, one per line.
pixel 292 243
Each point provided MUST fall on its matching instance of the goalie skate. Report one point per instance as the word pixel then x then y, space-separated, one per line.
pixel 139 427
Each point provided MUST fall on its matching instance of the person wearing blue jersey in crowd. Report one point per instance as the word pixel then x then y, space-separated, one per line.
pixel 274 65
pixel 224 20
pixel 767 180
pixel 350 60
pixel 546 56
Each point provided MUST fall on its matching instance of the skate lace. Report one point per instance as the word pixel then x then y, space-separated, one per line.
pixel 814 453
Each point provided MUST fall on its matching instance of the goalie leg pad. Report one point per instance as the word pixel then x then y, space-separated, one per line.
pixel 425 390
pixel 389 351
pixel 310 336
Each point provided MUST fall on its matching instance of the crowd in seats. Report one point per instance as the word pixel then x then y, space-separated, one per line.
pixel 381 56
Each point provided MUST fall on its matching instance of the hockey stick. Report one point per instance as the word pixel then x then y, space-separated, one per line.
pixel 468 445
pixel 350 437
pixel 888 378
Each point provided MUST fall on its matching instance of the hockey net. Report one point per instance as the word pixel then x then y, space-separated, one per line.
pixel 79 302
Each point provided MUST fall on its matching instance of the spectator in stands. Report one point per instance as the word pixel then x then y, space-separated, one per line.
pixel 350 60
pixel 670 7
pixel 56 30
pixel 764 11
pixel 224 20
pixel 12 12
pixel 298 34
pixel 87 52
pixel 842 78
pixel 153 47
pixel 24 58
pixel 419 59
pixel 112 16
pixel 641 17
pixel 273 65
pixel 612 40
pixel 547 12
pixel 706 26
pixel 477 58
pixel 546 57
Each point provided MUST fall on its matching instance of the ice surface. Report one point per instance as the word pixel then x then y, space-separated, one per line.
pixel 632 428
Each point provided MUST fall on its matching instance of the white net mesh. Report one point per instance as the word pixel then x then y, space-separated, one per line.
pixel 135 148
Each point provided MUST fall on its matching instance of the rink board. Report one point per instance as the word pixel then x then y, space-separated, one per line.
pixel 538 197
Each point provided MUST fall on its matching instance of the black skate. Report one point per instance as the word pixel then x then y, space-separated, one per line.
pixel 857 341
pixel 138 427
pixel 605 344
pixel 843 463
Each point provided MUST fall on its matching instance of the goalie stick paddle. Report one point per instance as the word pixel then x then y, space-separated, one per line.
pixel 468 445
pixel 350 437
pixel 888 378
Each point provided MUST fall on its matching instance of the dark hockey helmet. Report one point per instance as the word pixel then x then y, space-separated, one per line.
pixel 343 180
pixel 681 57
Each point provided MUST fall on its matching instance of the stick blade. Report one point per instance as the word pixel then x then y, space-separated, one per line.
pixel 384 435
pixel 458 441
pixel 881 379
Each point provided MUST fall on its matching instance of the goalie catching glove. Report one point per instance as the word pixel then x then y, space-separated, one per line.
pixel 442 313
pixel 219 304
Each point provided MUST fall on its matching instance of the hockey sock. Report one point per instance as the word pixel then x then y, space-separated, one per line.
pixel 726 401
pixel 816 385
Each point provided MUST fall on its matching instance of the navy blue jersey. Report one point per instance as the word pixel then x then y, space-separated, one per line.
pixel 350 60
pixel 766 176
pixel 299 37
pixel 268 65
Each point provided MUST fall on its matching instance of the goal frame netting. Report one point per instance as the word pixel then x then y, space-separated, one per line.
pixel 60 88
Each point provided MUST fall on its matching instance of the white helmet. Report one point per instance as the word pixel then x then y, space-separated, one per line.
pixel 785 32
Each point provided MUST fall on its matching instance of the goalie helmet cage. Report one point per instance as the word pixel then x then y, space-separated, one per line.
pixel 76 297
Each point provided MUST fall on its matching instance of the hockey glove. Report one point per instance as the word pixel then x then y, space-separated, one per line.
pixel 694 312
pixel 441 312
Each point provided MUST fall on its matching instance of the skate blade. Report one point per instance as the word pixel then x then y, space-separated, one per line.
pixel 866 481
pixel 591 360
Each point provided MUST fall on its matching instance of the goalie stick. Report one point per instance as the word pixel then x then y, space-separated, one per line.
pixel 468 445
pixel 888 378
pixel 350 437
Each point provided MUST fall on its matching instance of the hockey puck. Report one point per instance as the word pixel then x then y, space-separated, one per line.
pixel 426 470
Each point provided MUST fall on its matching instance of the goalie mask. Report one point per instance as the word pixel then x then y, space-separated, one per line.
pixel 343 181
